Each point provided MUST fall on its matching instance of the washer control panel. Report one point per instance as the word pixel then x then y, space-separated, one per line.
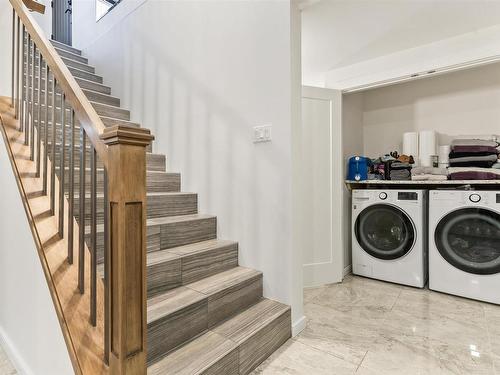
pixel 475 198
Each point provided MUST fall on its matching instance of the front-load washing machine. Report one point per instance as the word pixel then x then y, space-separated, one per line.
pixel 464 243
pixel 389 240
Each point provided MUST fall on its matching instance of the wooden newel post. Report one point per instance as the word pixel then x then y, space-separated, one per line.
pixel 126 266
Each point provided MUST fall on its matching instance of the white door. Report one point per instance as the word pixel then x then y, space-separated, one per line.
pixel 321 186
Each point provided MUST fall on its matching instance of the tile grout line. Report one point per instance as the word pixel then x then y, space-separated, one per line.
pixel 360 363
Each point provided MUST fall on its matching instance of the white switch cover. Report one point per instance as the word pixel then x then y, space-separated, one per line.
pixel 262 133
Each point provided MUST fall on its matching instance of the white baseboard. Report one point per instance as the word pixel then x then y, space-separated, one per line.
pixel 347 270
pixel 298 326
pixel 14 356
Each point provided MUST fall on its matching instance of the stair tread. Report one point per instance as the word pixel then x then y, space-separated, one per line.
pixel 75 56
pixel 100 93
pixel 171 301
pixel 148 194
pixel 92 82
pixel 178 219
pixel 245 324
pixel 125 122
pixel 181 297
pixel 195 357
pixel 157 257
pixel 64 45
pixel 214 284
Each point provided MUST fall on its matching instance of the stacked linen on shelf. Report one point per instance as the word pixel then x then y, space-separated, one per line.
pixel 429 174
pixel 399 170
pixel 473 159
pixel 471 173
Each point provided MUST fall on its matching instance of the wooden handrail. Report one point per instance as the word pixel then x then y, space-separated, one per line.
pixel 122 151
pixel 86 114
pixel 34 6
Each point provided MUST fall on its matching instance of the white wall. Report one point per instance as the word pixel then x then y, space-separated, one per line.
pixel 29 329
pixel 352 144
pixel 200 75
pixel 460 103
pixel 45 22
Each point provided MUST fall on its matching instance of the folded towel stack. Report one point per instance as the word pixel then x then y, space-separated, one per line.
pixel 429 174
pixel 473 159
pixel 399 170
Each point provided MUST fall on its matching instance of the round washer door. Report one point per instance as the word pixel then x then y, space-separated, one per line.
pixel 469 239
pixel 385 232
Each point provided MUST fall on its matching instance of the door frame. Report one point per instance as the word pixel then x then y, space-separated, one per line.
pixel 331 271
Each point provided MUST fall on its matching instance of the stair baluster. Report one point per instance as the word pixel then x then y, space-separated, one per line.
pixel 71 185
pixel 13 55
pixel 81 216
pixel 23 83
pixel 53 149
pixel 46 132
pixel 62 172
pixel 18 67
pixel 39 116
pixel 28 93
pixel 93 236
pixel 32 117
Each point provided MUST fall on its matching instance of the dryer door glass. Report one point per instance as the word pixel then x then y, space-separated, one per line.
pixel 384 232
pixel 469 239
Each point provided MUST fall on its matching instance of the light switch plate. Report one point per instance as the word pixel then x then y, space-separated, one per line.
pixel 262 133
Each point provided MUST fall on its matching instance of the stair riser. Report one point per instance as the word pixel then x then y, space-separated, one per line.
pixel 84 84
pixel 63 53
pixel 154 162
pixel 167 333
pixel 170 205
pixel 66 47
pixel 232 300
pixel 114 112
pixel 187 269
pixel 102 110
pixel 255 350
pixel 91 96
pixel 170 182
pixel 72 56
pixel 69 63
pixel 186 232
pixel 76 71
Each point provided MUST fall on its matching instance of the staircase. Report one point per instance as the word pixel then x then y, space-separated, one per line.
pixel 205 313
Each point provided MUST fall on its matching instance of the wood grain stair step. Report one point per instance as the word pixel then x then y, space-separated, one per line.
pixel 158 204
pixel 174 231
pixel 83 83
pixel 94 86
pixel 236 346
pixel 71 55
pixel 68 61
pixel 109 121
pixel 63 46
pixel 156 182
pixel 110 111
pixel 209 354
pixel 182 265
pixel 185 312
pixel 258 331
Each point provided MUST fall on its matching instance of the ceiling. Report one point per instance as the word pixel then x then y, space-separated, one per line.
pixel 337 33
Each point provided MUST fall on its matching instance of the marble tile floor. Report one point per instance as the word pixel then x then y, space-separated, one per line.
pixel 6 367
pixel 369 327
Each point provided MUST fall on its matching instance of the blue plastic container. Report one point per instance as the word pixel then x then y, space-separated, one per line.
pixel 358 168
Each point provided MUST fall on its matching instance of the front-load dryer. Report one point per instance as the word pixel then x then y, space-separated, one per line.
pixel 464 243
pixel 389 240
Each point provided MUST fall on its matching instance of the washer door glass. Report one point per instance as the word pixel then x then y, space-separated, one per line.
pixel 469 239
pixel 384 232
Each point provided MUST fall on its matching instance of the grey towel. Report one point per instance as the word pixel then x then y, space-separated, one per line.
pixel 429 170
pixel 474 161
pixel 473 142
